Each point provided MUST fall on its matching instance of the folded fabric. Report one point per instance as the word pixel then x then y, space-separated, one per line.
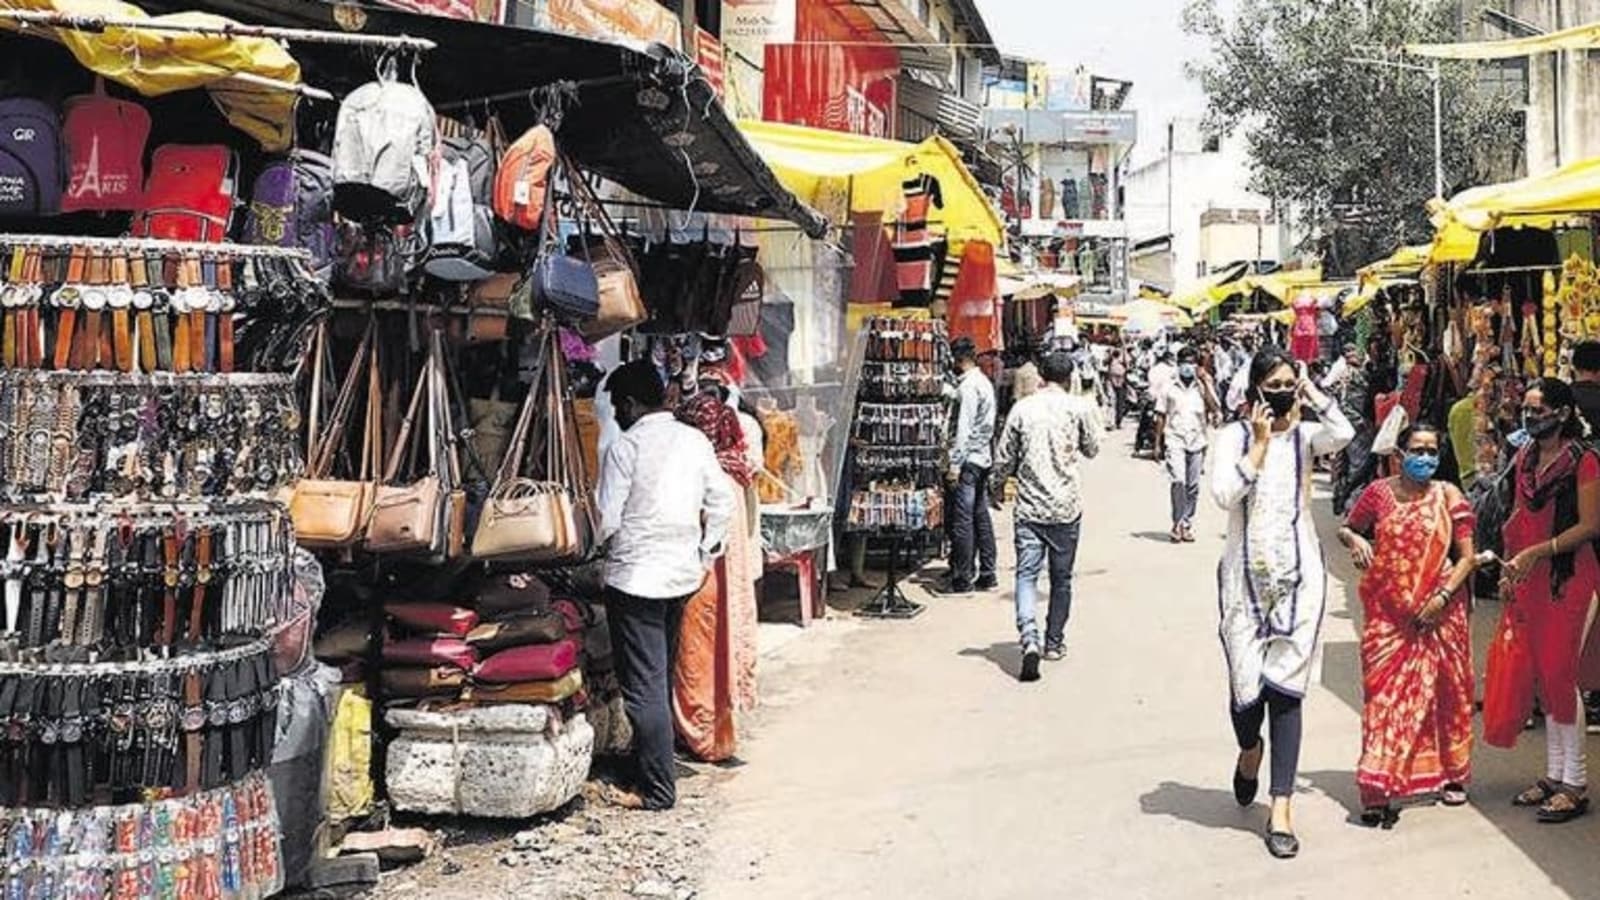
pixel 433 618
pixel 342 642
pixel 556 691
pixel 518 631
pixel 502 595
pixel 542 662
pixel 432 681
pixel 430 652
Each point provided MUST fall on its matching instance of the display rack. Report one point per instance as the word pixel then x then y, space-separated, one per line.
pixel 898 431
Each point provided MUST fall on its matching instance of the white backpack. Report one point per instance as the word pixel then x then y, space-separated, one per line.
pixel 384 152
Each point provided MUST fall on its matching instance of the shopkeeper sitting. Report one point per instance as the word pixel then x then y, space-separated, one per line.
pixel 665 509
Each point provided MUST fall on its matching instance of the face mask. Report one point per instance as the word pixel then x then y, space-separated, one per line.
pixel 1419 467
pixel 1539 429
pixel 1280 402
pixel 1186 371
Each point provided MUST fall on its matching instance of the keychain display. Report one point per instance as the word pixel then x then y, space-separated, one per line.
pixel 919 424
pixel 923 466
pixel 907 340
pixel 93 587
pixel 86 304
pixel 77 435
pixel 896 507
pixel 899 381
pixel 216 845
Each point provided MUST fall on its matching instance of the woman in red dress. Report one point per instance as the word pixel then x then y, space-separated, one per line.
pixel 1412 537
pixel 1550 584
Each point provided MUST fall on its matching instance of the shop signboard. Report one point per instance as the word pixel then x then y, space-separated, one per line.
pixel 467 10
pixel 1121 127
pixel 605 20
pixel 709 55
pixel 832 76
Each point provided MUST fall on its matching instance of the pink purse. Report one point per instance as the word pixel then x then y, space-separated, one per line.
pixel 540 662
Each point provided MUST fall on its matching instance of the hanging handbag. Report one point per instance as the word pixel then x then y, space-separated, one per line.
pixel 328 512
pixel 414 518
pixel 564 285
pixel 620 304
pixel 525 519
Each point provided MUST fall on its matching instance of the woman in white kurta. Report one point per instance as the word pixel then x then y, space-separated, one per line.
pixel 1272 585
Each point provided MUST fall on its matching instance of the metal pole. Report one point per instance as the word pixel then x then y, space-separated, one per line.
pixel 1438 130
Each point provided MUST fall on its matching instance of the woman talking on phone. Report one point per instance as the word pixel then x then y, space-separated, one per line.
pixel 1271 580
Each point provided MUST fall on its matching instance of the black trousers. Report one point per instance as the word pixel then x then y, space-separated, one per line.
pixel 1285 727
pixel 971 529
pixel 644 638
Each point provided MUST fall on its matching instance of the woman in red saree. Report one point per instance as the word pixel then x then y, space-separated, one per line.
pixel 713 678
pixel 1550 583
pixel 1412 537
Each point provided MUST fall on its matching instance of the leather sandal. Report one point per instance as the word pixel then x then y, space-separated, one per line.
pixel 1566 804
pixel 1538 795
pixel 1283 844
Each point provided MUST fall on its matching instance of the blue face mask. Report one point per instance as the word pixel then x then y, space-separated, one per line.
pixel 1420 468
pixel 1186 371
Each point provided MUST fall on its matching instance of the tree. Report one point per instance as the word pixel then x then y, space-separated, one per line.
pixel 1349 147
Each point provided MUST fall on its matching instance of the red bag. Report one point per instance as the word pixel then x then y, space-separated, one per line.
pixel 1507 682
pixel 430 652
pixel 433 618
pixel 105 140
pixel 523 179
pixel 190 194
pixel 544 662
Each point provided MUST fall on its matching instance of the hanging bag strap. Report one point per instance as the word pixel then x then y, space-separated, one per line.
pixel 407 426
pixel 325 445
pixel 319 350
pixel 511 464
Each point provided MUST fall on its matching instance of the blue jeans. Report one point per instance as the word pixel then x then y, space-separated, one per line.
pixel 1038 545
pixel 971 529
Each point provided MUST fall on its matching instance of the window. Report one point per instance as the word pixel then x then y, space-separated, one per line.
pixel 1211 144
pixel 1505 78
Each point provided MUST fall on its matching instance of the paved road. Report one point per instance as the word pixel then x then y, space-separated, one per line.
pixel 904 759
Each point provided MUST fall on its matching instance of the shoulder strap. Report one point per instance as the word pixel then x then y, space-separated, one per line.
pixel 407 425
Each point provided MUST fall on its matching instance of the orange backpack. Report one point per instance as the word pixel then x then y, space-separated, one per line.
pixel 523 179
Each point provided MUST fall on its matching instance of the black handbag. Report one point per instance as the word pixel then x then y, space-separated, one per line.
pixel 565 285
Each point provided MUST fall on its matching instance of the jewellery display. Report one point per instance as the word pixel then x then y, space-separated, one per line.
pixel 907 340
pixel 900 428
pixel 131 305
pixel 923 466
pixel 94 587
pixel 219 843
pixel 77 435
pixel 900 424
pixel 897 507
pixel 891 381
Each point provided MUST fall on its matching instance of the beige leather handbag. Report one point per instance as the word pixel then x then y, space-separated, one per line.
pixel 328 512
pixel 621 303
pixel 413 518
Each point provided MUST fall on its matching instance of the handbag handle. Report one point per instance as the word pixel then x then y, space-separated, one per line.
pixel 327 442
pixel 590 206
pixel 319 350
pixel 408 424
pixel 511 463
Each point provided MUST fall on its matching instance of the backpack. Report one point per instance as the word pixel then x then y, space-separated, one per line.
pixel 291 205
pixel 462 226
pixel 522 183
pixel 105 140
pixel 374 259
pixel 190 193
pixel 384 145
pixel 31 175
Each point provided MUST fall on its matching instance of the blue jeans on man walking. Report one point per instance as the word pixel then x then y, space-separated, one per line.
pixel 971 530
pixel 1039 547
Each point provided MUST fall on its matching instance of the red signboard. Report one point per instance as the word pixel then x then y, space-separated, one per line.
pixel 831 77
pixel 708 53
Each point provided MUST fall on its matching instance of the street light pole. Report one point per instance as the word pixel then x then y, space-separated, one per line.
pixel 1435 75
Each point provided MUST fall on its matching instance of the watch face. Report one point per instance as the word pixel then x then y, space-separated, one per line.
pixel 94 299
pixel 143 300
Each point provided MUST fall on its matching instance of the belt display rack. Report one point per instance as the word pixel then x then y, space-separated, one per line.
pixel 148 419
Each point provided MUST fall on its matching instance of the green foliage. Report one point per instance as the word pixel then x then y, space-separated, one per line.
pixel 1348 146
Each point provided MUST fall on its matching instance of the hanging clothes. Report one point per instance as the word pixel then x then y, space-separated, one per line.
pixel 974 299
pixel 874 278
pixel 913 246
pixel 1305 343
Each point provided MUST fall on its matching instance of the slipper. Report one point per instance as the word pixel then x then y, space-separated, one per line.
pixel 1283 845
pixel 1538 795
pixel 1453 795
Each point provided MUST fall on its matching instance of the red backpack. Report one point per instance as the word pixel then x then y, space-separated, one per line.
pixel 190 194
pixel 105 140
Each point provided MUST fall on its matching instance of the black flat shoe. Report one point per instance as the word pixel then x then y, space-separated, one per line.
pixel 1245 789
pixel 1385 817
pixel 1283 845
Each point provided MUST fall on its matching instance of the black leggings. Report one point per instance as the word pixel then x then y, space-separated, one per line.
pixel 1285 729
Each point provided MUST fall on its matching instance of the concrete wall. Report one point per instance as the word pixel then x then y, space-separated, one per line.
pixel 1564 89
pixel 1230 236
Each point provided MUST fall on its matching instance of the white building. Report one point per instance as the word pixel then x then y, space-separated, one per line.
pixel 1191 211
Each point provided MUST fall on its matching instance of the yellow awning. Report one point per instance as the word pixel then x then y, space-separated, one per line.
pixel 161 62
pixel 821 166
pixel 1150 315
pixel 1582 37
pixel 1405 262
pixel 1282 285
pixel 1541 201
pixel 1209 291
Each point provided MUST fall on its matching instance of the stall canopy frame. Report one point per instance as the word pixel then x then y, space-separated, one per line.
pixel 1541 201
pixel 642 116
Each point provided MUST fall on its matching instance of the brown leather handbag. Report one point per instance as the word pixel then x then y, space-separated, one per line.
pixel 524 519
pixel 621 302
pixel 416 682
pixel 330 512
pixel 415 518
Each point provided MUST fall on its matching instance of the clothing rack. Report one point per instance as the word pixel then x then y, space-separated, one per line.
pixel 226 29
pixel 69 242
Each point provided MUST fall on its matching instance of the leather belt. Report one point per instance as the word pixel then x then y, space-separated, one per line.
pixel 171 543
pixel 225 317
pixel 66 299
pixel 73 581
pixel 121 302
pixel 202 582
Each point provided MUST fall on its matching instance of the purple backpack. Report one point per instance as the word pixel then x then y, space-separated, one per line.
pixel 32 173
pixel 292 206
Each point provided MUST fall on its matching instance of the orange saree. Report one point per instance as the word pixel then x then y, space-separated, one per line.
pixel 1416 727
pixel 713 679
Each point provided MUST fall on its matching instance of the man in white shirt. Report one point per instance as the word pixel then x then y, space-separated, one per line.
pixel 971 458
pixel 1162 375
pixel 665 510
pixel 1182 416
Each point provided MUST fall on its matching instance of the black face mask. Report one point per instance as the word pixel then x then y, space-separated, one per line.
pixel 1280 402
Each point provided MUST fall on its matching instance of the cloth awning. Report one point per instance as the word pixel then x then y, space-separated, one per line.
pixel 1149 315
pixel 1211 290
pixel 1540 201
pixel 818 165
pixel 163 62
pixel 643 116
pixel 1582 37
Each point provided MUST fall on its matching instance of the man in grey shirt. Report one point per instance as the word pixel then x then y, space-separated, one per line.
pixel 1045 436
pixel 971 458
